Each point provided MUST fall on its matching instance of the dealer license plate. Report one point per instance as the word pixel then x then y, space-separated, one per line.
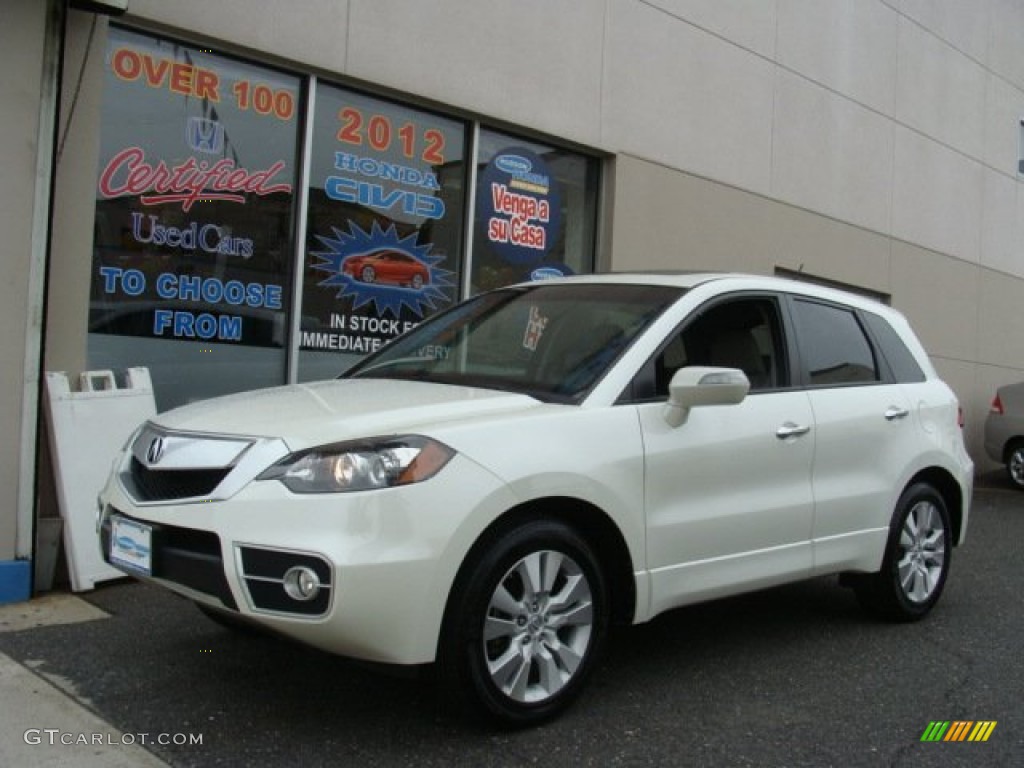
pixel 131 545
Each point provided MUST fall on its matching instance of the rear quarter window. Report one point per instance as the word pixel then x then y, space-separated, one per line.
pixel 900 359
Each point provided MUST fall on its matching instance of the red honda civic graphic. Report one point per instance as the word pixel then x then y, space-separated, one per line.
pixel 387 266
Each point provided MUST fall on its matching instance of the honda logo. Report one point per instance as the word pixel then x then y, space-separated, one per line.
pixel 155 452
pixel 206 136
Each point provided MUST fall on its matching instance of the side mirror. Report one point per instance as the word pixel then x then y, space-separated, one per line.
pixel 698 386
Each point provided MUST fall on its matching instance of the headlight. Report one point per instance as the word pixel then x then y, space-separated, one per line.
pixel 361 466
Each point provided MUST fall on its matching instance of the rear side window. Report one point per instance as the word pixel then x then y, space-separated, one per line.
pixel 833 346
pixel 900 359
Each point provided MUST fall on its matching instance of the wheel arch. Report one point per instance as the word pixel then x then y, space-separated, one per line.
pixel 1010 445
pixel 952 494
pixel 589 522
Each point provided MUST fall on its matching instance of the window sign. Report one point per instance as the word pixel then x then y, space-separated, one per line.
pixel 384 225
pixel 195 234
pixel 193 227
pixel 519 206
pixel 535 212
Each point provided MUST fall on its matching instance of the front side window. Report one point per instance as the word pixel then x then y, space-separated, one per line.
pixel 833 346
pixel 737 333
pixel 551 342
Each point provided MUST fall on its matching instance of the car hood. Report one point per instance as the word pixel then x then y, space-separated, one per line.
pixel 305 415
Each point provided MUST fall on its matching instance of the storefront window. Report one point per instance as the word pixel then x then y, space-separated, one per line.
pixel 536 208
pixel 385 224
pixel 194 218
pixel 200 190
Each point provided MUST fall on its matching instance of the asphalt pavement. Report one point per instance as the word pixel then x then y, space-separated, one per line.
pixel 130 675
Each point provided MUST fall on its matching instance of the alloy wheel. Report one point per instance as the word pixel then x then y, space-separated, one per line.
pixel 538 626
pixel 922 551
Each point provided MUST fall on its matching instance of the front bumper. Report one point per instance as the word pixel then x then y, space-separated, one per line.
pixel 384 560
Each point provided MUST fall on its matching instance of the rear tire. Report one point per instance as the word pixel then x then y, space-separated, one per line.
pixel 916 561
pixel 1015 464
pixel 527 621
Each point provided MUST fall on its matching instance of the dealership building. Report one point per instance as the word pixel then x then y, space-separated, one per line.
pixel 247 193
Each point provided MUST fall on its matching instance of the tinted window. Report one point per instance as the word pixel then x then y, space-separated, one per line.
pixel 833 345
pixel 900 359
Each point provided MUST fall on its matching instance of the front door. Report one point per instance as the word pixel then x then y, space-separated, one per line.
pixel 728 497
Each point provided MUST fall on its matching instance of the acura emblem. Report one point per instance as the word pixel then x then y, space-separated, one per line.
pixel 155 451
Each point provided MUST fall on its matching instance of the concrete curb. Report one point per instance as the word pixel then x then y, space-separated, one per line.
pixel 41 725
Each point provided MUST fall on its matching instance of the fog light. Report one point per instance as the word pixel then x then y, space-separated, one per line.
pixel 301 583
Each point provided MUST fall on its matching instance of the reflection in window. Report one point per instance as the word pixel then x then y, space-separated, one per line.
pixel 832 343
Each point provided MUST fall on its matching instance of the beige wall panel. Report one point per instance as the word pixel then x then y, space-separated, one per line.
pixel 964 25
pixel 21 40
pixel 999 316
pixel 1004 108
pixel 1002 224
pixel 74 198
pixel 940 297
pixel 685 98
pixel 665 219
pixel 314 32
pixel 498 59
pixel 849 47
pixel 937 196
pixel 748 25
pixel 1006 40
pixel 830 154
pixel 940 91
pixel 803 241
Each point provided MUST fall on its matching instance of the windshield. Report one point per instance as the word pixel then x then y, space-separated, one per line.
pixel 551 341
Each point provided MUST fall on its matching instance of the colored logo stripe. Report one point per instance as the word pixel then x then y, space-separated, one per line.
pixel 982 731
pixel 958 730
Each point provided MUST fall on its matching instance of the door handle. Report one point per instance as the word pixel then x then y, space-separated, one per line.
pixel 895 412
pixel 789 429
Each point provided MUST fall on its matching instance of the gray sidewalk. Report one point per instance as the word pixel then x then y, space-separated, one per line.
pixel 42 722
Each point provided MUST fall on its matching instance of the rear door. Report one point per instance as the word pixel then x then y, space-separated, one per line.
pixel 865 434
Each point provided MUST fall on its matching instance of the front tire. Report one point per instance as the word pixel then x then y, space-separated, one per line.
pixel 916 561
pixel 526 624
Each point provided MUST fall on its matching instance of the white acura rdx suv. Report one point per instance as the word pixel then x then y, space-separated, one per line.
pixel 494 488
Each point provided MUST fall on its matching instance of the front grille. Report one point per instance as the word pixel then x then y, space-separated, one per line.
pixel 167 484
